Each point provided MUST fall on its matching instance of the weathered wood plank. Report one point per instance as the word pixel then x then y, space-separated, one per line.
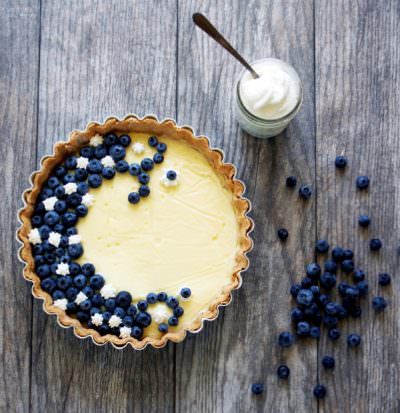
pixel 98 59
pixel 216 369
pixel 358 101
pixel 19 54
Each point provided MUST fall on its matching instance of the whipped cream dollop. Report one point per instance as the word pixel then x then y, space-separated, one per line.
pixel 275 93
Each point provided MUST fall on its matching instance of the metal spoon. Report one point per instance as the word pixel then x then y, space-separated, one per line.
pixel 201 21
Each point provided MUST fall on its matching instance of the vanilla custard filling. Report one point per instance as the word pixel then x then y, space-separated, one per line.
pixel 180 236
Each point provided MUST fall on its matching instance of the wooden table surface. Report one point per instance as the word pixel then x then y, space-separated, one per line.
pixel 63 63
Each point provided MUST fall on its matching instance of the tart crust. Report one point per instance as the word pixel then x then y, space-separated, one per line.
pixel 151 125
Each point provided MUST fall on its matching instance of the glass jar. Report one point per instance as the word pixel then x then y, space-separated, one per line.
pixel 255 125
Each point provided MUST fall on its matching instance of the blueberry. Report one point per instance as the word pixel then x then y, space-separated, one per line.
pixel 117 152
pixel 384 279
pixel 87 152
pixel 39 209
pixel 96 281
pixel 59 192
pixel 328 362
pixel 60 206
pixel 341 312
pixel 329 321
pixel 178 311
pixel 100 151
pixel 144 191
pixel 81 174
pixel 315 332
pixel 282 234
pixel 122 166
pixel 82 188
pixel 358 275
pixel 72 308
pixel 163 328
pixel 71 293
pixel 51 218
pixel 352 292
pixel 294 290
pixel 338 254
pixel 79 281
pixel 70 162
pixel 110 139
pixel 64 282
pixel 68 178
pixel 161 147
pixel 347 266
pixel 142 305
pixel 342 287
pixel 119 312
pixel 43 271
pixel 297 314
pixel 50 258
pixel 75 251
pixel 348 254
pixel 257 388
pixel 104 329
pixel 328 280
pixel 108 172
pixel 162 297
pixel 313 270
pixel 144 178
pixel 375 244
pixel 134 169
pixel 322 246
pixel 110 304
pixel 131 310
pixel 185 292
pixel 60 171
pixel 125 140
pixel 172 302
pixel 379 304
pixel 362 182
pixel 82 316
pixel 48 285
pixel 45 193
pixel 153 141
pixel 315 290
pixel 283 371
pixel 305 297
pixel 330 266
pixel 94 166
pixel 134 197
pixel 151 298
pixel 97 300
pixel 331 308
pixel 158 158
pixel 123 299
pixel 291 181
pixel 137 332
pixel 147 165
pixel 334 333
pixel 143 318
pixel 88 269
pixel 306 282
pixel 95 181
pixel 52 182
pixel 127 321
pixel 285 339
pixel 319 391
pixel 305 192
pixel 85 305
pixel 74 200
pixel 340 162
pixel 171 175
pixel 353 340
pixel 173 321
pixel 303 328
pixel 364 221
pixel 81 210
pixel 57 295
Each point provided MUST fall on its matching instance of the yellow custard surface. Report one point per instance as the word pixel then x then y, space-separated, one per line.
pixel 182 236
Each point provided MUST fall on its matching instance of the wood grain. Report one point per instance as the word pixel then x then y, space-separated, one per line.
pixel 98 59
pixel 19 35
pixel 216 369
pixel 358 101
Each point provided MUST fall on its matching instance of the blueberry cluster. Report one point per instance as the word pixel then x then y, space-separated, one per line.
pixel 56 245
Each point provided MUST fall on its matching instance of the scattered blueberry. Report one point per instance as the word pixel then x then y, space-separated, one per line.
pixel 315 332
pixel 358 275
pixel 163 328
pixel 362 182
pixel 347 266
pixel 257 388
pixel 328 362
pixel 151 298
pixel 384 279
pixel 294 290
pixel 162 297
pixel 144 178
pixel 340 162
pixel 117 152
pixel 144 191
pixel 285 339
pixel 173 321
pixel 313 270
pixel 362 287
pixel 334 333
pixel 328 280
pixel 322 246
pixel 375 244
pixel 305 192
pixel 153 141
pixel 134 169
pixel 338 254
pixel 122 166
pixel 171 175
pixel 379 304
pixel 108 172
pixel 297 314
pixel 283 371
pixel 95 181
pixel 353 340
pixel 125 140
pixel 185 292
pixel 303 328
pixel 319 391
pixel 161 147
pixel 158 158
pixel 305 297
pixel 147 165
pixel 283 234
pixel 291 181
pixel 330 266
pixel 364 221
pixel 134 197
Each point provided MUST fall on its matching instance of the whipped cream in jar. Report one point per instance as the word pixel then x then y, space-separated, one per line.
pixel 265 106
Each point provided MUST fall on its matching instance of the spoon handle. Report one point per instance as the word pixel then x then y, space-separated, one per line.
pixel 201 21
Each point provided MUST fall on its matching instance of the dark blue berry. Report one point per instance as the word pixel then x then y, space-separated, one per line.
pixel 68 178
pixel 303 328
pixel 124 299
pixel 142 305
pixel 97 300
pixel 334 333
pixel 46 193
pixel 291 181
pixel 82 316
pixel 117 152
pixel 60 171
pixel 305 192
pixel 375 244
pixel 328 362
pixel 379 304
pixel 257 388
pixel 81 174
pixel 71 231
pixel 60 206
pixel 134 169
pixel 313 270
pixel 172 302
pixel 315 332
pixel 306 282
pixel 161 147
pixel 43 271
pixel 134 197
pixel 283 371
pixel 59 192
pixel 119 312
pixel 69 219
pixel 131 310
pixel 347 266
pixel 173 321
pixel 79 281
pixel 297 314
pixel 104 329
pixel 305 297
pixel 144 178
pixel 85 305
pixel 39 260
pixel 315 290
pixel 72 308
pixel 384 279
pixel 178 311
pixel 108 172
pixel 100 151
pixel 328 280
pixel 127 321
pixel 96 281
pixel 283 234
pixel 285 339
pixel 348 254
pixel 143 318
pixel 75 251
pixel 110 304
pixel 338 254
pixel 70 162
pixel 319 391
pixel 294 290
pixel 329 321
pixel 147 165
pixel 322 246
pixel 81 210
pixel 358 275
pixel 48 285
pixel 95 180
pixel 87 151
pixel 163 328
pixel 88 269
pixel 51 218
pixel 94 166
pixel 74 200
pixel 137 332
pixel 331 308
pixel 125 140
pixel 64 282
pixel 110 139
pixel 158 158
pixel 52 182
pixel 185 292
pixel 364 221
pixel 122 166
pixel 353 340
pixel 71 293
pixel 82 188
pixel 340 162
pixel 162 297
pixel 144 191
pixel 153 141
pixel 57 295
pixel 151 298
pixel 352 292
pixel 171 175
pixel 362 182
